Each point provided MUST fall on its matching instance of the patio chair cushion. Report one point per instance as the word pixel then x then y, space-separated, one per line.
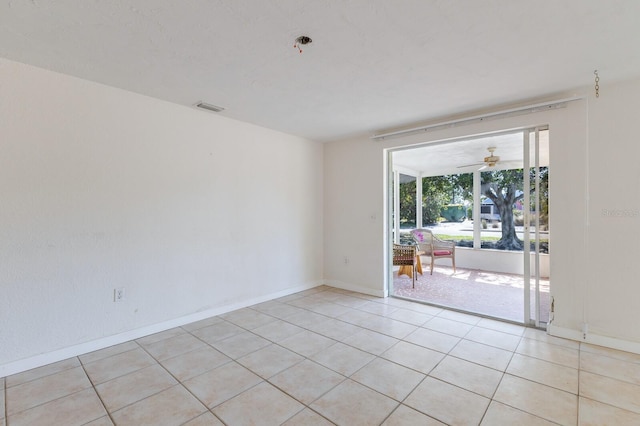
pixel 441 253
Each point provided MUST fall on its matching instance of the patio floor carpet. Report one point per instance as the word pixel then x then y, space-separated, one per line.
pixel 487 293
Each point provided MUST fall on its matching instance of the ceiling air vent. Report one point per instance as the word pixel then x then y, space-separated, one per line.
pixel 209 107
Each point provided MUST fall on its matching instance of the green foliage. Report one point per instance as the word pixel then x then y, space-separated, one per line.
pixel 408 204
pixel 440 191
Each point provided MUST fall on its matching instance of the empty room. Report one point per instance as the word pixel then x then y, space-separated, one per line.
pixel 313 213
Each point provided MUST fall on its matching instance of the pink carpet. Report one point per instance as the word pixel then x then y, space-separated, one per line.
pixel 486 293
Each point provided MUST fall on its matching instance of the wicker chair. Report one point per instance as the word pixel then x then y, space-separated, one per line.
pixel 404 255
pixel 434 247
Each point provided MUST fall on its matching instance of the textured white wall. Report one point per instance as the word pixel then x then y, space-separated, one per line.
pixel 612 281
pixel 593 256
pixel 102 188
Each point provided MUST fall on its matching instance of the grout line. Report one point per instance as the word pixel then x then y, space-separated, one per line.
pixel 93 386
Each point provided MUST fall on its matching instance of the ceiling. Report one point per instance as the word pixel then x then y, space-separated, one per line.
pixel 373 64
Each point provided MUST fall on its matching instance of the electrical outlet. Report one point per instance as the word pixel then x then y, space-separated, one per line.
pixel 346 260
pixel 118 294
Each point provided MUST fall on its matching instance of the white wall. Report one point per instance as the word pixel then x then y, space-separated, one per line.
pixel 594 166
pixel 102 188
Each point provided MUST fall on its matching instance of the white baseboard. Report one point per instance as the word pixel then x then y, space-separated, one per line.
pixel 356 288
pixel 594 339
pixel 94 345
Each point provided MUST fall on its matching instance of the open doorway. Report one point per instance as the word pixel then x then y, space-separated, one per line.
pixel 488 197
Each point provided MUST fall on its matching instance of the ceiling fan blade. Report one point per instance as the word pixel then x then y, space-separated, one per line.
pixel 470 165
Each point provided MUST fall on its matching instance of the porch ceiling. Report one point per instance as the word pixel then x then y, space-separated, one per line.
pixel 446 158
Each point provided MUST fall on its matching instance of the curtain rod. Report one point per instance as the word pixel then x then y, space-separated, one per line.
pixel 529 109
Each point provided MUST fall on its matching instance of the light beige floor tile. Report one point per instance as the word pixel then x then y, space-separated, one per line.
pixel 459 317
pixel 307 417
pixel 118 365
pixel 377 308
pixel 306 302
pixel 393 328
pixel 425 309
pixel 75 409
pixel 335 329
pixel 240 344
pixel 222 383
pixel 447 403
pixel 46 370
pixel 329 309
pixel 610 367
pixel 388 378
pixel 173 406
pixel 350 403
pixel 174 346
pixel 153 338
pixel 546 373
pixel 499 414
pixel 343 359
pixel 107 352
pixel 326 296
pixel 400 303
pixel 278 310
pixel 218 331
pixel 306 381
pixel 307 343
pixel 468 375
pixel 201 324
pixel 248 318
pixel 370 341
pixel 443 325
pixel 194 363
pixel 305 319
pixel 594 413
pixel 102 421
pixel 431 339
pixel 359 318
pixel 277 330
pixel 549 352
pixel 409 316
pixel 413 356
pixel 610 391
pixel 502 326
pixel 540 400
pixel 532 333
pixel 350 301
pixel 495 338
pixel 489 356
pixel 267 405
pixel 270 360
pixel 405 416
pixel 206 419
pixel 133 387
pixel 45 389
pixel 612 353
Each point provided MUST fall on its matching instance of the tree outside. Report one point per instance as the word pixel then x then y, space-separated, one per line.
pixel 503 187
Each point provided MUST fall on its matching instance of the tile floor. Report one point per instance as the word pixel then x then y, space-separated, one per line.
pixel 327 356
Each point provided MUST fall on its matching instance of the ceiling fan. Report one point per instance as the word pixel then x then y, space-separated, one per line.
pixel 489 161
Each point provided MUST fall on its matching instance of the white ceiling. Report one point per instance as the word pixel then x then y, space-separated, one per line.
pixel 373 64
